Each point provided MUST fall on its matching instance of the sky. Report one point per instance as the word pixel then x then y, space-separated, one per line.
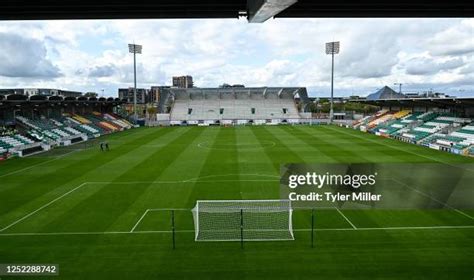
pixel 92 55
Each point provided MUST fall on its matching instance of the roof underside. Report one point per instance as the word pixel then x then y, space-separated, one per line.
pixel 213 93
pixel 115 9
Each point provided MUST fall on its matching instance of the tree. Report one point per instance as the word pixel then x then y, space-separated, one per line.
pixel 90 94
pixel 152 110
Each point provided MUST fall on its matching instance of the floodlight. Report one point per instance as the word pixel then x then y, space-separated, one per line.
pixel 332 48
pixel 133 48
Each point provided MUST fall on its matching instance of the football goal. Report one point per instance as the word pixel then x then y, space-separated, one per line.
pixel 243 220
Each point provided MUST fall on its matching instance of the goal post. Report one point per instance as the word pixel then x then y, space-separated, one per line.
pixel 243 220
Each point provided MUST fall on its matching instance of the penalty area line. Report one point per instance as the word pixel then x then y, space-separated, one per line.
pixel 42 207
pixel 139 220
pixel 434 199
pixel 347 219
pixel 192 231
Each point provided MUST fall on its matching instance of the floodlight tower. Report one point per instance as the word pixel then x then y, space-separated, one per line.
pixel 332 48
pixel 133 48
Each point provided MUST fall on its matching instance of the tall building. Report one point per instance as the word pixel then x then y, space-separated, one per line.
pixel 183 82
pixel 157 92
pixel 127 94
pixel 159 95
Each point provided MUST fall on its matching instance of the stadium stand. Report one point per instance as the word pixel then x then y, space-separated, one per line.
pixel 63 130
pixel 436 130
pixel 33 124
pixel 239 106
pixel 470 151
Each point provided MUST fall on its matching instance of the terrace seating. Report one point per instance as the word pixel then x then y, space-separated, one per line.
pixel 98 121
pixel 443 131
pixel 416 135
pixel 72 131
pixel 13 141
pixel 466 133
pixel 116 121
pixel 411 118
pixel 379 120
pixel 28 122
pixel 390 127
pixel 427 116
pixel 81 119
pixel 60 132
pixel 88 129
pixel 389 123
pixel 255 107
pixel 401 114
pixel 23 139
pixel 55 131
pixel 436 124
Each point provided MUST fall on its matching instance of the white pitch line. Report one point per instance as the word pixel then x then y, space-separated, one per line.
pixel 239 180
pixel 344 216
pixel 178 182
pixel 192 231
pixel 389 228
pixel 141 218
pixel 416 228
pixel 231 174
pixel 397 148
pixel 42 207
pixel 164 231
pixel 168 209
pixel 124 183
pixel 430 197
pixel 36 165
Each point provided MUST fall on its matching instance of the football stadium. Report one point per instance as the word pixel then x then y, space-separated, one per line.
pixel 235 182
pixel 127 211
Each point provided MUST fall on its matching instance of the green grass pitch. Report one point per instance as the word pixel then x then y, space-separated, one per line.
pixel 84 210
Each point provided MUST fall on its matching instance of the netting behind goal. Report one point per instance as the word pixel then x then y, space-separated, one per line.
pixel 250 220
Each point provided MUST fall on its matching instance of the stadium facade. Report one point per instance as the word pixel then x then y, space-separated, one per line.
pixel 236 105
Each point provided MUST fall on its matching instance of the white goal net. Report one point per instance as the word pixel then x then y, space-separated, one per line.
pixel 249 220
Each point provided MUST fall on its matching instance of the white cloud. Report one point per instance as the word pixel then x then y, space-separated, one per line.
pixel 455 40
pixel 428 65
pixel 25 58
pixel 92 55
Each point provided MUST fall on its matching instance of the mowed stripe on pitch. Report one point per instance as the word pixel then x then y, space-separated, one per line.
pixel 104 204
pixel 101 159
pixel 52 185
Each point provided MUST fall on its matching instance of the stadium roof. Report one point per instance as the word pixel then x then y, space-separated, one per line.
pixel 277 91
pixel 385 93
pixel 422 102
pixel 115 9
pixel 23 100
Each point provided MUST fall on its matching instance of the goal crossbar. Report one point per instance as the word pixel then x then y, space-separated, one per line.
pixel 239 220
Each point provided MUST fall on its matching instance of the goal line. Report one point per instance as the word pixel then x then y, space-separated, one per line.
pixel 243 220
